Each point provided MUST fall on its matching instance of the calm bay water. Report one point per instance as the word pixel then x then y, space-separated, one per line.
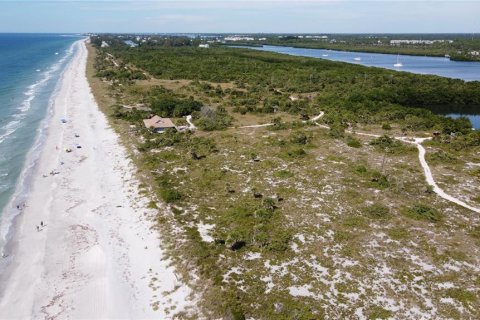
pixel 468 71
pixel 30 67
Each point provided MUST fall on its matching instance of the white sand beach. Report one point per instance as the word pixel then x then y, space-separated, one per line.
pixel 97 253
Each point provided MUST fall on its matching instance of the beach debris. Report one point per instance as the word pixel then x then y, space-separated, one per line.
pixel 237 245
pixel 77 135
pixel 54 172
pixel 68 150
pixel 196 156
pixel 219 241
pixel 63 120
pixel 257 195
pixel 78 146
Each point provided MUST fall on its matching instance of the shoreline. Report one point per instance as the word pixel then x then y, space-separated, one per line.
pixel 472 76
pixel 98 253
pixel 392 52
pixel 10 211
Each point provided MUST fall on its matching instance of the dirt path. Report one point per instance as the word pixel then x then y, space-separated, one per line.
pixel 423 162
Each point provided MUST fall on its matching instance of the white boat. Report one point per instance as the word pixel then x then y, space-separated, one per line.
pixel 398 64
pixel 324 55
pixel 357 59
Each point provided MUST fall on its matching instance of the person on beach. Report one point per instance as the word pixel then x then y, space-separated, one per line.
pixel 38 228
pixel 41 224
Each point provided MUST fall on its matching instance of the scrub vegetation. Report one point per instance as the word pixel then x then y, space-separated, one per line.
pixel 292 220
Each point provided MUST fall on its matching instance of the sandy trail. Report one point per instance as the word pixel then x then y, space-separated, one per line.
pixel 98 253
pixel 423 162
pixel 429 177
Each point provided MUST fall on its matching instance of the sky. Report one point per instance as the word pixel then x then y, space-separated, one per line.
pixel 240 16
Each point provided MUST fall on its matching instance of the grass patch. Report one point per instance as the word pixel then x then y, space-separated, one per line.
pixel 424 212
pixel 398 233
pixel 462 295
pixel 376 211
pixel 378 312
pixel 353 142
pixel 283 174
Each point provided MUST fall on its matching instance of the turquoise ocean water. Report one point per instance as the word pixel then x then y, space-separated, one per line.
pixel 30 69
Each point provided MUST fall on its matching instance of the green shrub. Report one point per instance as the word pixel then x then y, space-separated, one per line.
pixel 353 142
pixel 337 130
pixel 390 145
pixel 398 233
pixel 361 170
pixel 168 106
pixel 379 180
pixel 442 157
pixel 378 312
pixel 386 126
pixel 299 138
pixel 152 205
pixel 384 142
pixel 296 153
pixel 475 232
pixel 376 211
pixel 462 295
pixel 211 120
pixel 423 212
pixel 169 195
pixel 283 174
pixel 475 172
pixel 279 240
pixel 354 222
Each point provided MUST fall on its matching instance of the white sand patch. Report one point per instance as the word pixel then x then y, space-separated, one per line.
pixel 204 230
pixel 253 256
pixel 177 169
pixel 301 291
pixel 445 285
pixel 447 300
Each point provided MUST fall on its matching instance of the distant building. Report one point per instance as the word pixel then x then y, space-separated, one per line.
pixel 238 38
pixel 104 45
pixel 398 42
pixel 131 44
pixel 204 45
pixel 158 124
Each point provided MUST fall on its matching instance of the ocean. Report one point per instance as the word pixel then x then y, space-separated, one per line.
pixel 30 68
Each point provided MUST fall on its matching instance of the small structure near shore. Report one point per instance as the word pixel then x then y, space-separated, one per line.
pixel 158 124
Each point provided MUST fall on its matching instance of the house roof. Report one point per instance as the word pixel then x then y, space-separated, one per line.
pixel 157 122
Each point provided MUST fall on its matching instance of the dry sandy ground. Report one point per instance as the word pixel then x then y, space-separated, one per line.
pixel 96 255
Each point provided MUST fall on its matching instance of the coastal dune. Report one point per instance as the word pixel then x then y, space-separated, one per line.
pixel 97 254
